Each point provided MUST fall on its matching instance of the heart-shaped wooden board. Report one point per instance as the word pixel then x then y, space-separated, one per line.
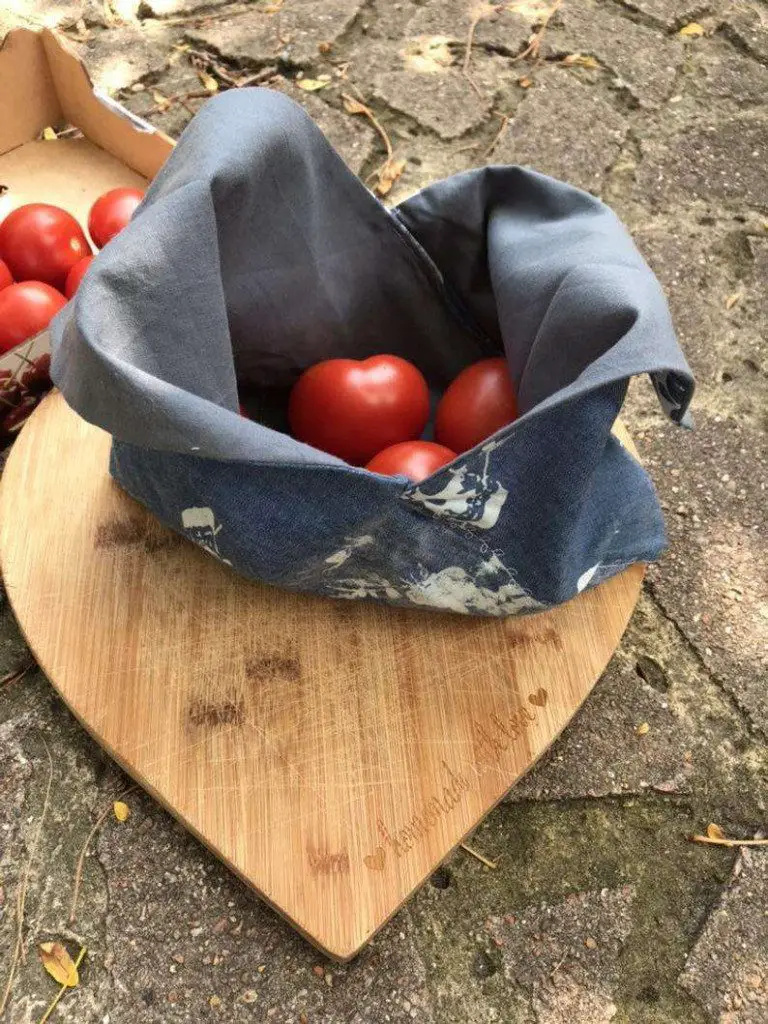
pixel 332 753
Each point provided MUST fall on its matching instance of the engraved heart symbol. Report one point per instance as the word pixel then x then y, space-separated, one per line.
pixel 375 861
pixel 539 698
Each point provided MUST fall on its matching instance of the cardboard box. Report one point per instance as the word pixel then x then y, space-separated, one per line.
pixel 44 86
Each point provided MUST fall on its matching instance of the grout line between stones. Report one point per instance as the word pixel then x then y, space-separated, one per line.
pixel 752 728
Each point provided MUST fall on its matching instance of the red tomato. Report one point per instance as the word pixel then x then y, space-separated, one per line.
pixel 354 408
pixel 76 275
pixel 25 310
pixel 5 276
pixel 41 243
pixel 414 459
pixel 111 212
pixel 477 403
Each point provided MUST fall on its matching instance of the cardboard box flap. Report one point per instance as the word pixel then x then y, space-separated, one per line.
pixel 129 139
pixel 29 98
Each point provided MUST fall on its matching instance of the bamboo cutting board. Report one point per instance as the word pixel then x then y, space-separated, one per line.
pixel 331 753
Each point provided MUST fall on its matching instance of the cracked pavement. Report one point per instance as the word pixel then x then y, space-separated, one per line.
pixel 600 908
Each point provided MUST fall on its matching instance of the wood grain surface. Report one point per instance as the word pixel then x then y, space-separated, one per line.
pixel 332 753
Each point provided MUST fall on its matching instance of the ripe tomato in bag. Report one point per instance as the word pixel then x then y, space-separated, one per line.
pixel 476 404
pixel 353 408
pixel 415 459
pixel 40 242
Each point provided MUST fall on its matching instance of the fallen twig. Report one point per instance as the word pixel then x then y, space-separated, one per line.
pixel 716 841
pixel 81 859
pixel 19 951
pixel 182 98
pixel 17 673
pixel 533 49
pixel 198 58
pixel 558 965
pixel 354 106
pixel 63 989
pixel 479 856
pixel 388 173
pixel 495 140
pixel 259 76
pixel 480 13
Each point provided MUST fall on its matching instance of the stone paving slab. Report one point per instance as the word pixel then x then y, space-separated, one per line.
pixel 553 952
pixel 292 31
pixel 600 907
pixel 589 139
pixel 640 60
pixel 727 971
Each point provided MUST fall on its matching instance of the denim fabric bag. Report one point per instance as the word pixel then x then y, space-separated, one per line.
pixel 257 253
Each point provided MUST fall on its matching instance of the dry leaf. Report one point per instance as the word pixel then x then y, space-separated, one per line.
pixel 59 964
pixel 80 32
pixel 209 82
pixel 731 301
pixel 161 101
pixel 324 47
pixel 580 60
pixel 311 84
pixel 525 82
pixel 715 832
pixel 388 175
pixel 428 54
pixel 49 134
pixel 642 729
pixel 693 30
pixel 353 106
pixel 667 786
pixel 122 810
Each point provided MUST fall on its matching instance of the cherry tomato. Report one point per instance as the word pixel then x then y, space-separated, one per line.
pixel 41 243
pixel 477 403
pixel 26 309
pixel 415 459
pixel 111 212
pixel 76 275
pixel 5 276
pixel 354 408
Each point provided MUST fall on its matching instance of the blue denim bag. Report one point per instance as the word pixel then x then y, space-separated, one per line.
pixel 257 253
